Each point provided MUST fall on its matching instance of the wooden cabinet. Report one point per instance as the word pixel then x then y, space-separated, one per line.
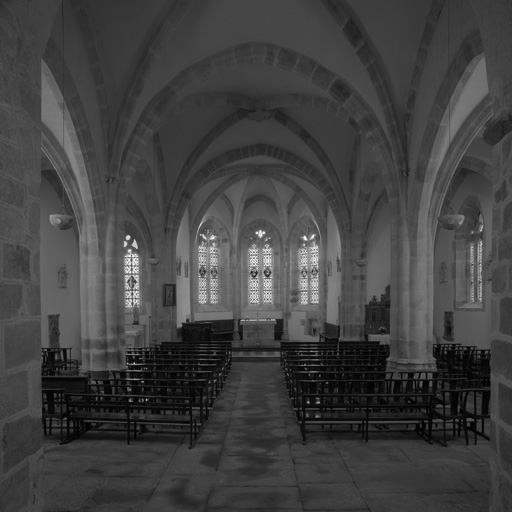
pixel 196 331
pixel 377 315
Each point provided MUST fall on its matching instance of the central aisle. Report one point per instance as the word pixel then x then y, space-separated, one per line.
pixel 251 457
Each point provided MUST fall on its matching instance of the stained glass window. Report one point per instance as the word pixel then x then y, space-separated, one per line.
pixel 308 269
pixel 261 269
pixel 476 261
pixel 208 268
pixel 131 272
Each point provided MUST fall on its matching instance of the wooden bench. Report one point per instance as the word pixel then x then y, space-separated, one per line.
pixel 330 332
pixel 91 410
pixel 363 410
pixel 194 389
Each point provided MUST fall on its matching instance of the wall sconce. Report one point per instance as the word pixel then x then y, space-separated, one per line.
pixel 62 221
pixel 451 221
pixel 153 261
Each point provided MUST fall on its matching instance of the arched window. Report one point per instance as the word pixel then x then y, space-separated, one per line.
pixel 308 268
pixel 261 269
pixel 208 267
pixel 475 260
pixel 131 272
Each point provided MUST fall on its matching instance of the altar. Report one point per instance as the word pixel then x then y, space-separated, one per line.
pixel 258 332
pixel 383 339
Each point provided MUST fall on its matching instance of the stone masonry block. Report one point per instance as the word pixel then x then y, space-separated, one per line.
pixel 505 248
pixel 21 439
pixel 33 300
pixel 499 279
pixel 506 316
pixel 9 160
pixel 507 218
pixel 11 300
pixel 22 342
pixel 12 221
pixel 14 397
pixel 339 91
pixel 14 491
pixel 502 193
pixel 16 262
pixel 505 399
pixel 11 192
pixel 287 59
pixel 204 70
pixel 34 219
pixel 306 66
pixel 502 359
pixel 505 441
pixel 224 59
pixel 353 33
pixel 322 77
pixel 243 53
pixel 8 126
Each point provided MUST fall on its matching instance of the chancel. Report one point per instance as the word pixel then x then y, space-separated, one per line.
pixel 275 209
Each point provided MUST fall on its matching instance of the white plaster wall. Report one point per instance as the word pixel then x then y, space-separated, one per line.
pixel 297 327
pixel 471 327
pixel 57 248
pixel 378 254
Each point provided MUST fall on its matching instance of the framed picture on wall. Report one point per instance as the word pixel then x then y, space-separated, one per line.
pixel 169 295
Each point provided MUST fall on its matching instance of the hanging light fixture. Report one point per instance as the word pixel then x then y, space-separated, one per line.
pixel 62 220
pixel 450 220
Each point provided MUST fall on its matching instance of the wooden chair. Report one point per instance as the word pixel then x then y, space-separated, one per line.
pixel 475 408
pixel 446 407
pixel 53 409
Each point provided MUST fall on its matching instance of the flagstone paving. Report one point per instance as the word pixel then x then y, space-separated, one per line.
pixel 250 456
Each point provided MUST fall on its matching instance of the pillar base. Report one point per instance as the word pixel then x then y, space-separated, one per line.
pixel 406 365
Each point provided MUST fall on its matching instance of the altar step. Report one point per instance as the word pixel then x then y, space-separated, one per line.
pixel 256 355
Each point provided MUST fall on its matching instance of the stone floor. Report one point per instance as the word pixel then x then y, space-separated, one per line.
pixel 250 457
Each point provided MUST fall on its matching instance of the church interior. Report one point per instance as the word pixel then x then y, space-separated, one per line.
pixel 262 173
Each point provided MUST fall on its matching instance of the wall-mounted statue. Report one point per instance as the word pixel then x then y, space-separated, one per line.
pixel 63 276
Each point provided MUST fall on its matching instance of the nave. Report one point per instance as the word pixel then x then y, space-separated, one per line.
pixel 250 456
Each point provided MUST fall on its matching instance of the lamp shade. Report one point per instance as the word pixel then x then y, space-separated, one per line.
pixel 153 261
pixel 451 221
pixel 62 221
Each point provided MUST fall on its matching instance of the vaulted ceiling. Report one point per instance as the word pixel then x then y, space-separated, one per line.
pixel 271 101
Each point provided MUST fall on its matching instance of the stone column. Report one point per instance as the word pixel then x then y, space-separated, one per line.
pixel 92 297
pixel 24 30
pixel 495 21
pixel 411 336
pixel 353 298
